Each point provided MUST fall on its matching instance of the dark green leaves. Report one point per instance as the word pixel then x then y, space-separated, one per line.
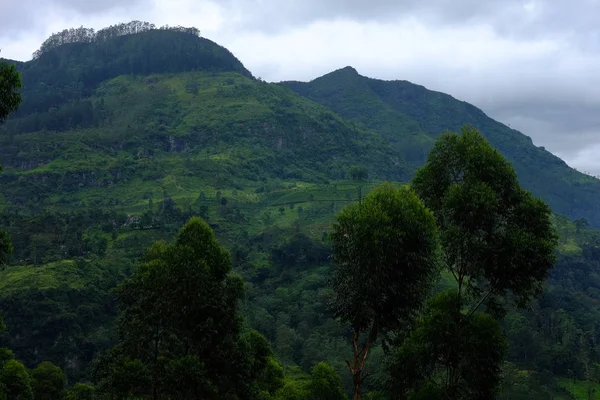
pixel 385 258
pixel 15 382
pixel 448 354
pixel 180 328
pixel 496 239
pixel 385 253
pixel 10 83
pixel 48 382
pixel 496 236
pixel 325 384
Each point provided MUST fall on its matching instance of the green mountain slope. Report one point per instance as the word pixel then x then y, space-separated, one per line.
pixel 118 142
pixel 73 70
pixel 259 162
pixel 225 127
pixel 411 117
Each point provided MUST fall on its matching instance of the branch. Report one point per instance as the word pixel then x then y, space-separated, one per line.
pixel 367 374
pixel 365 350
pixel 355 342
pixel 349 366
pixel 453 274
pixel 476 306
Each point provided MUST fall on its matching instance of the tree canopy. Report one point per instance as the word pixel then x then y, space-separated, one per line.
pixel 180 329
pixel 385 261
pixel 10 83
pixel 468 349
pixel 496 236
pixel 497 239
pixel 48 382
pixel 88 35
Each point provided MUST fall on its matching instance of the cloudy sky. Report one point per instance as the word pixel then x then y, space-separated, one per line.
pixel 531 64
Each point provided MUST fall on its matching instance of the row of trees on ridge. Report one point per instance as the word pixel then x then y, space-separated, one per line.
pixel 89 35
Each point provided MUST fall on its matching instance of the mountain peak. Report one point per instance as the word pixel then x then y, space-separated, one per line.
pixel 91 57
pixel 349 69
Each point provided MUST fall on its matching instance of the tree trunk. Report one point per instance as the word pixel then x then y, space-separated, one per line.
pixel 358 362
pixel 357 380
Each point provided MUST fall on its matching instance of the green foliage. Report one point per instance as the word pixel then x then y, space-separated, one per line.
pixel 121 139
pixel 325 384
pixel 292 391
pixel 496 237
pixel 48 382
pixel 411 117
pixel 385 253
pixel 10 83
pixel 15 382
pixel 10 98
pixel 80 391
pixel 180 330
pixel 67 68
pixel 526 384
pixel 453 355
pixel 584 390
pixel 385 261
pixel 262 369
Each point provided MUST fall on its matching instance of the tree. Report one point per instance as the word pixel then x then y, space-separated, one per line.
pixel 497 240
pixel 385 260
pixel 264 373
pixel 80 391
pixel 468 349
pixel 15 381
pixel 179 327
pixel 10 83
pixel 325 384
pixel 48 382
pixel 292 391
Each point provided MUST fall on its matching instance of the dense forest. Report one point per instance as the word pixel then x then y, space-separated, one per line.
pixel 175 229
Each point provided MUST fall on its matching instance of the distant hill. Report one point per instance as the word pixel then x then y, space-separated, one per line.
pixel 410 117
pixel 73 70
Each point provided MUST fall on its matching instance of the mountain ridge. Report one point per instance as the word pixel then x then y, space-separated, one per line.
pixel 411 117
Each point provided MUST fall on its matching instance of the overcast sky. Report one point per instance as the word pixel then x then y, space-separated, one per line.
pixel 530 64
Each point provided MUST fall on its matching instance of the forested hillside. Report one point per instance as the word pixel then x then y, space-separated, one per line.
pixel 411 117
pixel 126 133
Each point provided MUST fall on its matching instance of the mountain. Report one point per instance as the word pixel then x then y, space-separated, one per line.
pixel 410 117
pixel 105 156
pixel 127 132
pixel 60 74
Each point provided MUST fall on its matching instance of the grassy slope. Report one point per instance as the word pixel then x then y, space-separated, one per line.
pixel 410 116
pixel 233 126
